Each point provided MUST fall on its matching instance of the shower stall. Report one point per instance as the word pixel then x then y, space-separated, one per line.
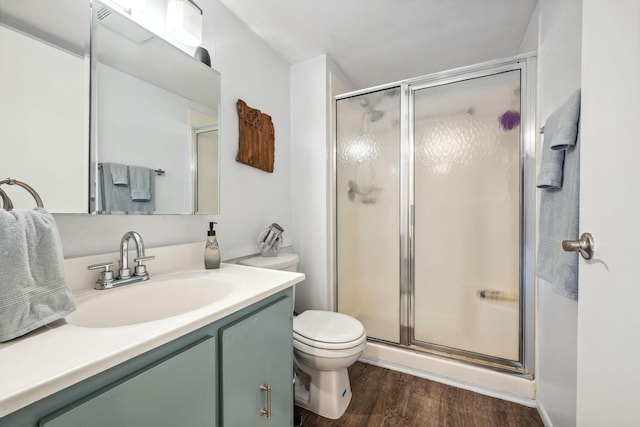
pixel 433 219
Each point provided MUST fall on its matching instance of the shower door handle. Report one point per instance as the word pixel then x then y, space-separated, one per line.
pixel 586 245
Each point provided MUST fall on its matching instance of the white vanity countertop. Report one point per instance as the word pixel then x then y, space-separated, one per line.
pixel 59 355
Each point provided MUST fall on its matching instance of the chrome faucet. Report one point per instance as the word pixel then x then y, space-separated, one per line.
pixel 107 280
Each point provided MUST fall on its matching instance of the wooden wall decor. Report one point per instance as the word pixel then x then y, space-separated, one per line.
pixel 256 144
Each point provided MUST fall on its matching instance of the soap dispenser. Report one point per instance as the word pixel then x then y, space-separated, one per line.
pixel 211 249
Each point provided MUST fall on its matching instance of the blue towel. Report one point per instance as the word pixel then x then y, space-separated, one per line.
pixel 140 183
pixel 119 173
pixel 551 164
pixel 563 124
pixel 33 285
pixel 116 199
pixel 559 206
pixel 561 132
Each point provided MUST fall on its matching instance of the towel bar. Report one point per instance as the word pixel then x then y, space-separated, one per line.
pixel 159 171
pixel 27 187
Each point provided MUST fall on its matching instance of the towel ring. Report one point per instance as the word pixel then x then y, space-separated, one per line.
pixel 7 204
pixel 27 187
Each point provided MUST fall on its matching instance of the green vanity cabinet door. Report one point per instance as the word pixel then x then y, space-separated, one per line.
pixel 258 350
pixel 179 391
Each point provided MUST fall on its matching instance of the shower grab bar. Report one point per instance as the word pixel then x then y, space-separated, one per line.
pixel 26 186
pixel 496 295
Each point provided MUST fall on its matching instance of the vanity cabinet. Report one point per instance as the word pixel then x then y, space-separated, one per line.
pixel 257 368
pixel 209 377
pixel 178 391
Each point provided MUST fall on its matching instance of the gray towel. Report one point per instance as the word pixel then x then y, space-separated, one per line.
pixel 559 213
pixel 117 199
pixel 551 163
pixel 560 133
pixel 119 173
pixel 563 123
pixel 33 286
pixel 140 183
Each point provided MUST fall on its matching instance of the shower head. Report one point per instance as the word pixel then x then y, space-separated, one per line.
pixel 374 115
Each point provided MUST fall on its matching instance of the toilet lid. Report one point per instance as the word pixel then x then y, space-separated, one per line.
pixel 327 327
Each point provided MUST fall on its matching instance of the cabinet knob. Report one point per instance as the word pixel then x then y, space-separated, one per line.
pixel 263 411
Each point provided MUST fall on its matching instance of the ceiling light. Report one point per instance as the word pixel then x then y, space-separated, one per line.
pixel 184 22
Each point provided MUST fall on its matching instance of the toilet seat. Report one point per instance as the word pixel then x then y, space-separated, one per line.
pixel 328 330
pixel 329 346
pixel 320 352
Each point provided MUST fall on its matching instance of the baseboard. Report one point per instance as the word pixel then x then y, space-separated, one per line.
pixel 454 383
pixel 544 415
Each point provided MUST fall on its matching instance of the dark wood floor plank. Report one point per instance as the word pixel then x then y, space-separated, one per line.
pixel 386 398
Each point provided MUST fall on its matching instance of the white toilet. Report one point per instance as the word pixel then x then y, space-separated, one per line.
pixel 325 344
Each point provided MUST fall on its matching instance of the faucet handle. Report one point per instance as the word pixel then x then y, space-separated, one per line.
pixel 141 269
pixel 106 275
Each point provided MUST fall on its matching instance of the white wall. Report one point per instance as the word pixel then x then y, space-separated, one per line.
pixel 559 65
pixel 250 199
pixel 530 38
pixel 312 83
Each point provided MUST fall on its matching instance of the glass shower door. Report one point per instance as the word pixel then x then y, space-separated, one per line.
pixel 467 220
pixel 368 211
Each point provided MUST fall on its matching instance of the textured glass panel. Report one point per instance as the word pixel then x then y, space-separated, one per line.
pixel 467 215
pixel 368 205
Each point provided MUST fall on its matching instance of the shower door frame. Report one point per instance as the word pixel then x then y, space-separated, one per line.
pixel 526 63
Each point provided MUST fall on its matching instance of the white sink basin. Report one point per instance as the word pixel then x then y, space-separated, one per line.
pixel 147 301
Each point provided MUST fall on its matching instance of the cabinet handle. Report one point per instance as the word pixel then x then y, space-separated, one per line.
pixel 267 411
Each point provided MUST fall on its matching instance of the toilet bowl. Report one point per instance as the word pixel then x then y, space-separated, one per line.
pixel 325 344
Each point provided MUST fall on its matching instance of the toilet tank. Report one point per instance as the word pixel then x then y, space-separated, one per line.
pixel 284 261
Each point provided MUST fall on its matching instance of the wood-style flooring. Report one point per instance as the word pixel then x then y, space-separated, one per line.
pixel 386 398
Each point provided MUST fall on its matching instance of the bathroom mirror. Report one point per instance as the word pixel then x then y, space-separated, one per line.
pixel 44 102
pixel 154 115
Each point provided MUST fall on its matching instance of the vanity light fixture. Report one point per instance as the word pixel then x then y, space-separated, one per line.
pixel 130 5
pixel 184 22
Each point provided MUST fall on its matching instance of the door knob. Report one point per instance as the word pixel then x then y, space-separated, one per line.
pixel 586 245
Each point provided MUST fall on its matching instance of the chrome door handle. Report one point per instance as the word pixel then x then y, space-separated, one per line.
pixel 263 411
pixel 586 245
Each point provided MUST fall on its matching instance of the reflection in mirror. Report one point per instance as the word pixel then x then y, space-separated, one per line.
pixel 205 150
pixel 44 101
pixel 151 101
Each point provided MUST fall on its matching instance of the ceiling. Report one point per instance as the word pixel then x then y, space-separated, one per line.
pixel 381 41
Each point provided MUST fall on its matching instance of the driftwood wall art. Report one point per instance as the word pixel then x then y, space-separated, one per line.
pixel 256 144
